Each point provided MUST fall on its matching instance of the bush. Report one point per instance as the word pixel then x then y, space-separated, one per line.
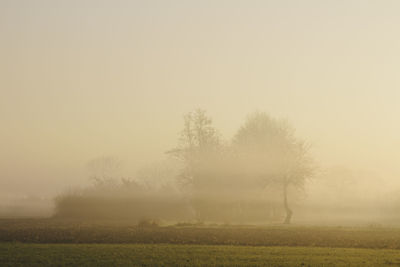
pixel 122 203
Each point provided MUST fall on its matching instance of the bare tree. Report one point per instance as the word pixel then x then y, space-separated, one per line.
pixel 198 149
pixel 198 142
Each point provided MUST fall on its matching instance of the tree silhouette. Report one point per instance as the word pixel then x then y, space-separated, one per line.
pixel 271 152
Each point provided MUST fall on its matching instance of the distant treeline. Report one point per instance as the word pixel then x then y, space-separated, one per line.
pixel 138 203
pixel 250 178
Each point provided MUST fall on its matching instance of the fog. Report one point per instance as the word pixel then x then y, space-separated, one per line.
pixel 93 81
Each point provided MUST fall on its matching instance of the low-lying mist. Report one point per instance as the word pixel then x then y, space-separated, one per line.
pixel 265 174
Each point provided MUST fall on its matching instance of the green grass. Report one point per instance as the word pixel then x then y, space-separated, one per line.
pixel 18 254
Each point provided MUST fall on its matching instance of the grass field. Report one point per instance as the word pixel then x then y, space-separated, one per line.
pixel 15 254
pixel 55 231
pixel 46 242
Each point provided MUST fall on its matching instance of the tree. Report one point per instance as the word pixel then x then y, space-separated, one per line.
pixel 271 153
pixel 199 149
pixel 198 141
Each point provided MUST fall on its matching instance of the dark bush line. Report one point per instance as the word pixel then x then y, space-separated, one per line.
pixel 119 208
pixel 164 208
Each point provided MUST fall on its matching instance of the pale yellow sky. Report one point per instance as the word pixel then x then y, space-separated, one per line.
pixel 82 79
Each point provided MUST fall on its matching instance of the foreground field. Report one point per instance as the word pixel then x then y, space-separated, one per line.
pixel 78 232
pixel 49 242
pixel 15 254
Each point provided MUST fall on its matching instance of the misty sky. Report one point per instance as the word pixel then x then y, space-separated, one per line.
pixel 83 79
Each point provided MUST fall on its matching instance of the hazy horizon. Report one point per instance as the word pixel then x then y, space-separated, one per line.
pixel 85 79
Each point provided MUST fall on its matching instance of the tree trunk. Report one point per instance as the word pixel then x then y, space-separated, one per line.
pixel 286 205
